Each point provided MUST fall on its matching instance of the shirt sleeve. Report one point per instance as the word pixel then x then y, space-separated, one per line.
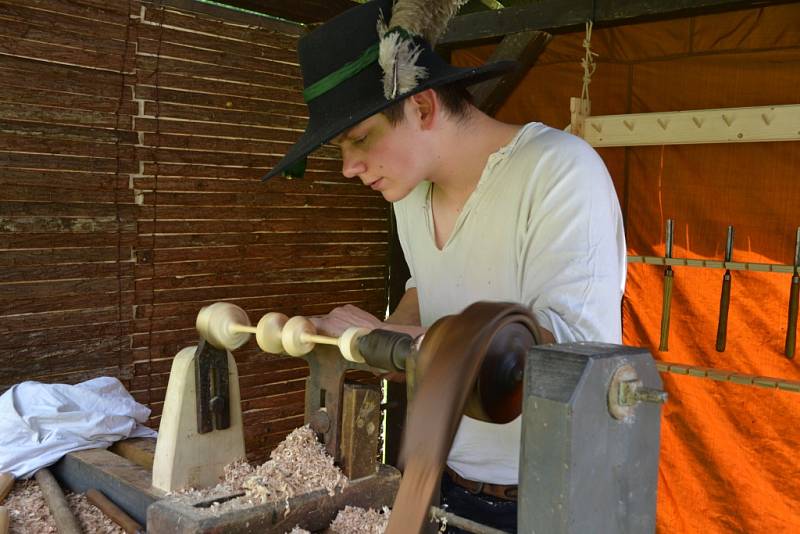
pixel 572 254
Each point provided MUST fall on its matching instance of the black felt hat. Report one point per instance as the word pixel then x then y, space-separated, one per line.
pixel 345 84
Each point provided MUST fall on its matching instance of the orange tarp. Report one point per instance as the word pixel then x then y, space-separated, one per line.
pixel 730 453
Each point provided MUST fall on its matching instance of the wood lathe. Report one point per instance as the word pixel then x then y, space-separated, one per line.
pixel 587 410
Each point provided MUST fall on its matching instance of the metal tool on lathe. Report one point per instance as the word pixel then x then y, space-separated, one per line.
pixel 663 345
pixel 794 300
pixel 725 296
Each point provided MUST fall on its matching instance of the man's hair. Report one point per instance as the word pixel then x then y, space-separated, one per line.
pixel 454 98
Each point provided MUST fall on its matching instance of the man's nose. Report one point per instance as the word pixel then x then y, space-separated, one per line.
pixel 352 167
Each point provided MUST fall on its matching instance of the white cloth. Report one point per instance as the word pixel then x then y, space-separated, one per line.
pixel 40 423
pixel 542 228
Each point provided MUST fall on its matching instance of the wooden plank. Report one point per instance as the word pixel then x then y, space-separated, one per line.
pixel 38 273
pixel 559 16
pixel 61 54
pixel 218 87
pixel 64 357
pixel 208 100
pixel 180 178
pixel 37 30
pixel 122 481
pixel 22 305
pixel 269 62
pixel 269 46
pixel 62 147
pixel 48 335
pixel 263 252
pixel 70 73
pixel 61 22
pixel 108 13
pixel 225 116
pixel 214 144
pixel 22 210
pixel 273 193
pixel 219 20
pixel 282 225
pixel 524 48
pixel 72 376
pixel 166 126
pixel 29 193
pixel 73 252
pixel 197 157
pixel 54 115
pixel 51 248
pixel 284 298
pixel 184 275
pixel 262 238
pixel 57 288
pixel 60 318
pixel 205 211
pixel 103 224
pixel 22 95
pixel 151 66
pixel 64 180
pixel 71 133
pixel 191 295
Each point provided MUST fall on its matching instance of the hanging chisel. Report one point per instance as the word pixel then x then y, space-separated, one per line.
pixel 725 297
pixel 663 346
pixel 794 296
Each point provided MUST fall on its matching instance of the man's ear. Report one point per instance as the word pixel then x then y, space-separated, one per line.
pixel 426 107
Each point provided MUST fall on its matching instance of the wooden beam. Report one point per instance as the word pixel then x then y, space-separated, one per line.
pixel 565 15
pixel 524 48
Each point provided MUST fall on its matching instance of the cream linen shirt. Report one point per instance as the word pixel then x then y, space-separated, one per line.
pixel 542 228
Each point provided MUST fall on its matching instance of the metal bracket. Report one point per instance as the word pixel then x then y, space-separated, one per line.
pixel 626 391
pixel 213 393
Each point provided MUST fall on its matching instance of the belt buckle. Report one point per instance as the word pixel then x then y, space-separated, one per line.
pixel 478 490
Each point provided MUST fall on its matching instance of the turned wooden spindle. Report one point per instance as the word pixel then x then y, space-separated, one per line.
pixel 227 326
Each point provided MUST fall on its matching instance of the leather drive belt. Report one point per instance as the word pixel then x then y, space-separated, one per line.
pixel 500 491
pixel 448 363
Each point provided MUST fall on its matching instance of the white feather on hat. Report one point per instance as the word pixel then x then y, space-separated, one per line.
pixel 397 52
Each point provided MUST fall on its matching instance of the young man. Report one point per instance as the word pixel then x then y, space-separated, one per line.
pixel 485 211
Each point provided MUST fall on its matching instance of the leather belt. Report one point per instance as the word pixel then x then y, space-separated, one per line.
pixel 500 491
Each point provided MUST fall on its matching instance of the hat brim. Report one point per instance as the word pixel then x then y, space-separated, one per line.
pixel 313 138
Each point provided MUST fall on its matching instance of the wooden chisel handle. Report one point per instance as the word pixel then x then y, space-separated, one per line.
pixel 665 307
pixel 114 512
pixel 724 304
pixel 791 328
pixel 6 483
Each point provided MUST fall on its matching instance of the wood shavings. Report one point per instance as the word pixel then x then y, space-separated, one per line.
pixel 91 518
pixel 355 520
pixel 29 513
pixel 299 464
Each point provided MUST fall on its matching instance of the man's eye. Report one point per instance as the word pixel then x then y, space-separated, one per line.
pixel 360 140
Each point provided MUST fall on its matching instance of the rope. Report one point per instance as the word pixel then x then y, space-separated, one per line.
pixel 587 62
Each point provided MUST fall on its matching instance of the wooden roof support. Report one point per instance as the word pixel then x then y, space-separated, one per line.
pixel 566 15
pixel 524 48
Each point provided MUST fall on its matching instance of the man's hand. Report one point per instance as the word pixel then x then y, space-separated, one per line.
pixel 342 318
